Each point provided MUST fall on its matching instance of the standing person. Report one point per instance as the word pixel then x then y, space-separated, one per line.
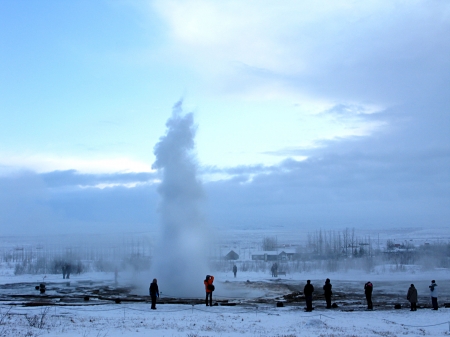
pixel 272 269
pixel 234 270
pixel 64 270
pixel 154 292
pixel 434 294
pixel 308 291
pixel 327 291
pixel 368 288
pixel 412 297
pixel 68 270
pixel 275 269
pixel 209 288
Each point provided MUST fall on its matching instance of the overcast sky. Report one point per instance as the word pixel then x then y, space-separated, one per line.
pixel 309 114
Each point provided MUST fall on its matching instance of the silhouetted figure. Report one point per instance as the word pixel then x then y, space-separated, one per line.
pixel 64 271
pixel 308 291
pixel 412 297
pixel 368 288
pixel 234 270
pixel 68 270
pixel 327 292
pixel 274 270
pixel 434 294
pixel 154 292
pixel 209 288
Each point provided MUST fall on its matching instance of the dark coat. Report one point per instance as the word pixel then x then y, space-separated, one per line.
pixel 327 289
pixel 153 290
pixel 308 290
pixel 368 288
pixel 412 294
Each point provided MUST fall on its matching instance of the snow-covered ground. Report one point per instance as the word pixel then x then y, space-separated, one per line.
pixel 136 319
pixel 182 320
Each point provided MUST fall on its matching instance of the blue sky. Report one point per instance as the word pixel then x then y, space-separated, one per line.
pixel 310 114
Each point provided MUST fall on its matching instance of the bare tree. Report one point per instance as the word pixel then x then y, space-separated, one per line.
pixel 269 243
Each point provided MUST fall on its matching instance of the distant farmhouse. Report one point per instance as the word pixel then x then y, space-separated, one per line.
pixel 287 255
pixel 265 256
pixel 284 255
pixel 232 255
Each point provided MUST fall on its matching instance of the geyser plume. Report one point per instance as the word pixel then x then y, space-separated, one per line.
pixel 180 259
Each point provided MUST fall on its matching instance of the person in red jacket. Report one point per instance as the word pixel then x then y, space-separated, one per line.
pixel 209 288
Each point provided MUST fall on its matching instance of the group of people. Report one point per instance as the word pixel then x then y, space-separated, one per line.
pixel 411 296
pixel 274 270
pixel 209 288
pixel 66 270
pixel 308 291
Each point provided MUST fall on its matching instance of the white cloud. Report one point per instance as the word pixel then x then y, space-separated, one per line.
pixel 112 185
pixel 41 163
pixel 263 34
pixel 316 55
pixel 309 47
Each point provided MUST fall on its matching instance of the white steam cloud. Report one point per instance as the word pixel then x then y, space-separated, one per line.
pixel 180 259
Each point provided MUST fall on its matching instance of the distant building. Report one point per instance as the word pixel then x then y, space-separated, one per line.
pixel 265 256
pixel 284 255
pixel 232 255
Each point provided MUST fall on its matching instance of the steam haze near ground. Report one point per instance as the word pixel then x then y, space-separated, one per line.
pixel 180 259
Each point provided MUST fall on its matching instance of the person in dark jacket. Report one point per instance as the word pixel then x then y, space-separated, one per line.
pixel 308 291
pixel 68 270
pixel 412 297
pixel 327 292
pixel 209 288
pixel 154 292
pixel 234 270
pixel 368 288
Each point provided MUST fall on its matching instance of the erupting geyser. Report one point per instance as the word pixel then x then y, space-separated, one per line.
pixel 180 259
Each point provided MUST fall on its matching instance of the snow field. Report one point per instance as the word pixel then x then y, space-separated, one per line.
pixel 194 321
pixel 136 319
